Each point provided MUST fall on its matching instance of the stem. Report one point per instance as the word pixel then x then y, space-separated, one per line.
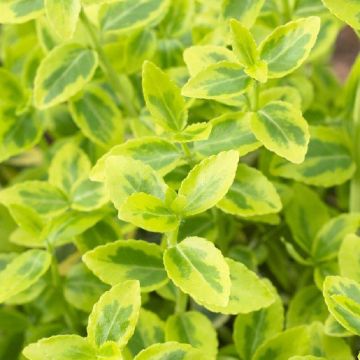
pixel 187 153
pixel 120 83
pixel 355 182
pixel 181 302
pixel 254 96
pixel 287 11
pixel 172 237
pixel 69 314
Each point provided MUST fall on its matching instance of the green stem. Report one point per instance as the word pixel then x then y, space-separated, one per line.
pixel 120 83
pixel 172 237
pixel 287 11
pixel 355 182
pixel 187 153
pixel 181 302
pixel 254 96
pixel 69 314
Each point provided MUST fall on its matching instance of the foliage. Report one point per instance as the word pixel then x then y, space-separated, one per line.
pixel 179 179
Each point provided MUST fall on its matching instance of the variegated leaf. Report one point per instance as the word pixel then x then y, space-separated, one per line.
pixel 97 116
pixel 148 212
pixel 328 161
pixel 253 329
pixel 244 299
pixel 349 257
pixel 346 10
pixel 230 131
pixel 250 194
pixel 329 238
pixel 199 57
pixel 126 15
pixel 126 176
pixel 114 316
pixel 41 196
pixel 171 351
pixel 193 328
pixel 288 46
pixel 199 269
pixel 128 260
pixel 206 184
pixel 291 342
pixel 342 296
pixel 63 73
pixel 246 11
pixel 219 81
pixel 163 99
pixel 19 11
pixel 282 129
pixel 22 272
pixel 159 154
pixel 63 16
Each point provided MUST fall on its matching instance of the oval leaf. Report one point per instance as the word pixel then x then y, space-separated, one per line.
pixel 199 269
pixel 128 260
pixel 63 73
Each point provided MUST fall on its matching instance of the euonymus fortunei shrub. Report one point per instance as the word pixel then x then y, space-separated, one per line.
pixel 179 180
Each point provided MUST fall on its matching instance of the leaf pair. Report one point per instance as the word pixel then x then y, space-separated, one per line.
pixel 194 265
pixel 110 326
pixel 282 52
pixel 143 198
pixel 167 107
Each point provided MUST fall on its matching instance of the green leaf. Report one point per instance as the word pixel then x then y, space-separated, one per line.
pixel 334 329
pixel 330 348
pixel 244 298
pixel 349 256
pixel 245 11
pixel 347 10
pixel 194 132
pixel 149 330
pixel 63 228
pixel 63 73
pixel 245 49
pixel 126 176
pixel 295 341
pixel 230 131
pixel 199 57
pixel 163 99
pixel 305 214
pixel 60 347
pixel 18 132
pixel 82 289
pixel 219 81
pixel 128 260
pixel 170 351
pixel 97 116
pixel 288 46
pixel 253 329
pixel 68 167
pixel 329 238
pixel 22 272
pixel 19 11
pixel 63 16
pixel 287 94
pixel 126 15
pixel 41 196
pixel 306 306
pixel 306 357
pixel 114 316
pixel 342 296
pixel 193 328
pixel 282 129
pixel 207 183
pixel 250 194
pixel 328 161
pixel 200 270
pixel 11 90
pixel 149 213
pixel 160 154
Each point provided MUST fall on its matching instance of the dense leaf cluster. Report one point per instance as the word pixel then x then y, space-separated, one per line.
pixel 179 181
